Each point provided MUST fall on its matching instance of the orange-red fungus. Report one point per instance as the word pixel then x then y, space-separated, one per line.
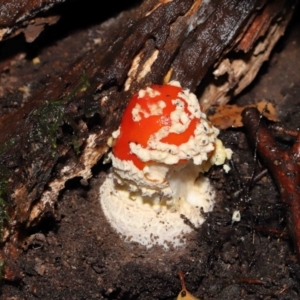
pixel 140 131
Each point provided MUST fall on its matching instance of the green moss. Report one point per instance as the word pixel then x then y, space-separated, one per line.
pixel 76 145
pixel 48 119
pixel 51 115
pixel 7 145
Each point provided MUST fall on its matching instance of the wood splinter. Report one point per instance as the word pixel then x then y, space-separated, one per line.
pixel 284 166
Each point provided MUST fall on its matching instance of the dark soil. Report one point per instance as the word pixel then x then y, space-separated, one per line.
pixel 79 256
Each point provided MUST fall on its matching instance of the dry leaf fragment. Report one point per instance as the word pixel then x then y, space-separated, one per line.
pixel 33 30
pixel 184 294
pixel 226 116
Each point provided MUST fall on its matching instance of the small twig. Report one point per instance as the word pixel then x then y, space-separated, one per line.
pixel 271 231
pixel 255 152
pixel 284 165
pixel 250 281
pixel 256 179
pixel 182 281
pixel 280 130
pixel 260 175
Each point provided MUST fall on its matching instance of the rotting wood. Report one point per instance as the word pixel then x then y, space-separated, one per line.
pixel 61 132
pixel 235 71
pixel 20 16
pixel 284 166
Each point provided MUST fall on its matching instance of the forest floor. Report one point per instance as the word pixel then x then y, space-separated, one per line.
pixel 79 256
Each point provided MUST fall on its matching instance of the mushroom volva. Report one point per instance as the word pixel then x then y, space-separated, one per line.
pixel 160 152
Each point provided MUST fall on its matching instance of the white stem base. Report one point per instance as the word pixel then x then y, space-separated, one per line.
pixel 148 223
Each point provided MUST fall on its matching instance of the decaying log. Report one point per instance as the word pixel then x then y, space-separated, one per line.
pixel 61 132
pixel 284 166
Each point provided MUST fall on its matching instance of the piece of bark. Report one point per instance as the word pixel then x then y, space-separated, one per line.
pixel 61 132
pixel 20 16
pixel 238 69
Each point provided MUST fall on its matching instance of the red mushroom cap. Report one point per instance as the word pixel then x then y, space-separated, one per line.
pixel 139 130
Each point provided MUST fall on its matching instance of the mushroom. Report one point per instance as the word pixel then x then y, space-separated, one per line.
pixel 160 152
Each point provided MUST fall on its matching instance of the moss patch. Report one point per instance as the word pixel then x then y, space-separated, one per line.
pixel 52 114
